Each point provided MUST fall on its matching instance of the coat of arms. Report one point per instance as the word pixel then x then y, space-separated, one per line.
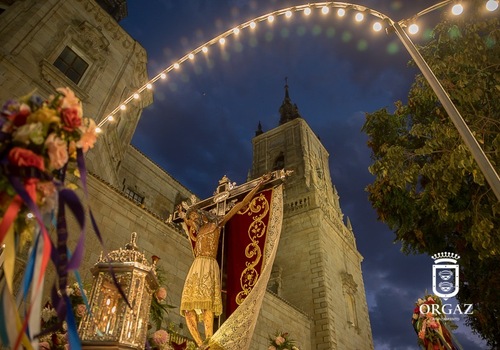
pixel 445 275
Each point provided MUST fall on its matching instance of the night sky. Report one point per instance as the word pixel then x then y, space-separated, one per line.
pixel 205 114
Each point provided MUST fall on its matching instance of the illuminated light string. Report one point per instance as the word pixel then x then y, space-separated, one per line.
pixel 360 11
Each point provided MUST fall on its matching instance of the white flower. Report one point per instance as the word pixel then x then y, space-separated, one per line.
pixel 29 132
pixel 48 313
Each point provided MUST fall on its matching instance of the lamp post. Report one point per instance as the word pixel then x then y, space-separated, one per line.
pixel 111 324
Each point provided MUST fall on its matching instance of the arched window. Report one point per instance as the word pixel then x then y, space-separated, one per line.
pixel 279 162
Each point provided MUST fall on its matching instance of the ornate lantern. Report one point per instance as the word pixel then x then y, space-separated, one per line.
pixel 111 323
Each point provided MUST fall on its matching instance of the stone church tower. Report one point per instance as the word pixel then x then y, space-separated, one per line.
pixel 318 267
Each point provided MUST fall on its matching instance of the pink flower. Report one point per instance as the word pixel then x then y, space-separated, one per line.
pixel 44 346
pixel 71 118
pixel 69 100
pixel 89 135
pixel 279 340
pixel 160 337
pixel 24 157
pixel 434 324
pixel 57 150
pixel 48 195
pixel 161 294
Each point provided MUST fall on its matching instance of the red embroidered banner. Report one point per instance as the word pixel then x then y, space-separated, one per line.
pixel 245 239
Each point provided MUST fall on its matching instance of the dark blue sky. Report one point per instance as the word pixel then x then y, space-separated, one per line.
pixel 204 115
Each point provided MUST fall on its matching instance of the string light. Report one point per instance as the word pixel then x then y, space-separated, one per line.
pixel 491 5
pixel 413 28
pixel 377 26
pixel 457 9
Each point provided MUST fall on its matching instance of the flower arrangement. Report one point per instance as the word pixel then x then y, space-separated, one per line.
pixel 37 139
pixel 40 142
pixel 54 337
pixel 433 331
pixel 281 341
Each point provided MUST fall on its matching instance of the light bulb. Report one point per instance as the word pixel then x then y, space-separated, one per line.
pixel 270 18
pixel 123 107
pixel 204 49
pixel 325 10
pixel 359 17
pixel 222 41
pixel 377 26
pixel 190 56
pixel 111 118
pixel 136 96
pixel 98 130
pixel 413 28
pixel 307 11
pixel 341 12
pixel 491 5
pixel 457 9
pixel 163 76
pixel 176 65
pixel 288 14
pixel 236 31
pixel 149 86
pixel 252 25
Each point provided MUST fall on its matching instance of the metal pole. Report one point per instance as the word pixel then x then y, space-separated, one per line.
pixel 482 161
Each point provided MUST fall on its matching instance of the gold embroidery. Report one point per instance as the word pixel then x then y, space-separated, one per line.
pixel 236 332
pixel 258 208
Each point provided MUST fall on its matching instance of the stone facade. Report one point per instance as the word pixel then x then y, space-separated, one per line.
pixel 318 294
pixel 35 33
pixel 318 263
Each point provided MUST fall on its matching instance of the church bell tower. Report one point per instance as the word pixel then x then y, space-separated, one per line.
pixel 317 267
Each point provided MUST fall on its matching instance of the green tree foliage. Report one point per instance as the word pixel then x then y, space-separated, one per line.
pixel 427 187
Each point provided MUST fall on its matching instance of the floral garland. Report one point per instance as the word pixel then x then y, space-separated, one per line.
pixel 433 331
pixel 40 140
pixel 281 341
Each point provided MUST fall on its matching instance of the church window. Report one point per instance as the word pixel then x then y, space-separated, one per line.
pixel 351 310
pixel 71 65
pixel 134 196
pixel 350 288
pixel 279 162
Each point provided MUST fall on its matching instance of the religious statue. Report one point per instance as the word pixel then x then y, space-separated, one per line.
pixel 201 296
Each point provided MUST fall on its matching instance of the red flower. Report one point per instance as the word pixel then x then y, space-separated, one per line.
pixel 71 118
pixel 19 118
pixel 24 157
